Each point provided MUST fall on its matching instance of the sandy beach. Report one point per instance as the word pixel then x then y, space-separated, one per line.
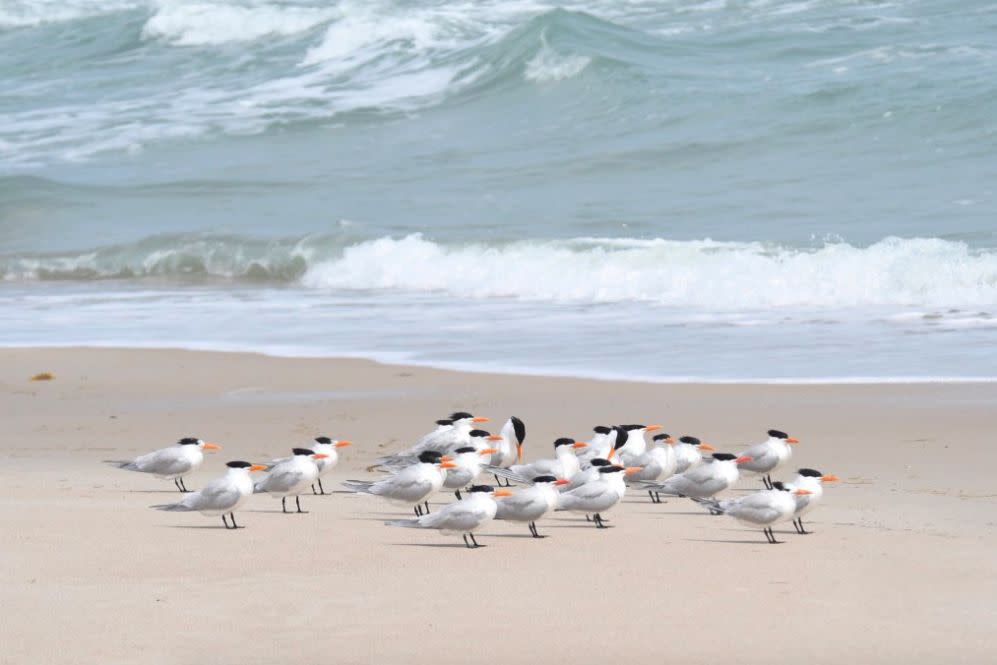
pixel 901 568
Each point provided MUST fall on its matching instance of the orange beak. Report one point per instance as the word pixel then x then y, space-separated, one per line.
pixel 448 465
pixel 212 446
pixel 670 440
pixel 707 447
pixel 446 458
pixel 488 451
pixel 519 452
pixel 501 493
pixel 579 444
pixel 343 444
pixel 258 467
pixel 792 440
pixel 561 481
pixel 802 492
pixel 830 478
pixel 742 459
pixel 494 437
pixel 611 453
pixel 319 455
pixel 652 428
pixel 479 419
pixel 631 470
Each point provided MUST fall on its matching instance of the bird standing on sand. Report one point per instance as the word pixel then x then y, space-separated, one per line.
pixel 769 455
pixel 467 467
pixel 172 463
pixel 329 448
pixel 411 485
pixel 564 465
pixel 703 481
pixel 812 480
pixel 463 517
pixel 689 453
pixel 656 463
pixel 763 508
pixel 222 495
pixel 510 446
pixel 598 496
pixel 291 476
pixel 531 503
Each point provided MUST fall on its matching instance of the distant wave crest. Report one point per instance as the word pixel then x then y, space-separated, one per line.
pixel 700 273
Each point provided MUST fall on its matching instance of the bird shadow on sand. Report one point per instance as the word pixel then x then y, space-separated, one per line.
pixel 437 545
pixel 198 526
pixel 174 492
pixel 728 542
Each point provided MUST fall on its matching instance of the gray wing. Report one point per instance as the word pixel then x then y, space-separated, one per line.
pixel 164 462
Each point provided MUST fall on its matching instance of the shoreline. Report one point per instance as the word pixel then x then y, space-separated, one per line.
pixel 467 368
pixel 908 533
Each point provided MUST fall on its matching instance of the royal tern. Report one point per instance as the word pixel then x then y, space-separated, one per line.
pixel 587 475
pixel 510 445
pixel 531 503
pixel 329 448
pixel 703 481
pixel 222 495
pixel 689 453
pixel 172 463
pixel 410 486
pixel 564 465
pixel 763 508
pixel 812 480
pixel 450 434
pixel 604 442
pixel 463 517
pixel 769 455
pixel 290 476
pixel 656 463
pixel 597 496
pixel 467 465
pixel 636 444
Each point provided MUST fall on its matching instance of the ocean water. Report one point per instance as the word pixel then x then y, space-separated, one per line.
pixel 760 190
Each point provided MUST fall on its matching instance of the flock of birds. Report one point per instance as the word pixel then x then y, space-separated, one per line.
pixel 584 477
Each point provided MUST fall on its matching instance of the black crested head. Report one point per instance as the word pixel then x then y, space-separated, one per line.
pixel 563 442
pixel 238 465
pixel 480 488
pixel 444 422
pixel 302 451
pixel 544 479
pixel 601 429
pixel 622 436
pixel 777 434
pixel 810 473
pixel 323 439
pixel 466 449
pixel 598 461
pixel 631 428
pixel 430 457
pixel 691 440
pixel 189 441
pixel 520 428
pixel 480 432
pixel 460 415
pixel 777 485
pixel 662 436
pixel 724 457
pixel 610 469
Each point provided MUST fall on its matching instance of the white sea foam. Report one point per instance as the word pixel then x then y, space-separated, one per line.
pixel 213 23
pixel 30 13
pixel 549 65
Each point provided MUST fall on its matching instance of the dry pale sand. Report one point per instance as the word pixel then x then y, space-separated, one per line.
pixel 901 570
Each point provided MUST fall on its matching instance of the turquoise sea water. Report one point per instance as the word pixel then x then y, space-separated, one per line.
pixel 675 190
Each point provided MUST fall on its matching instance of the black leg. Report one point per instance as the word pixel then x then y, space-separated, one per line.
pixel 598 521
pixel 225 521
pixel 457 494
pixel 283 504
pixel 533 530
pixel 767 479
pixel 321 489
pixel 474 541
pixel 417 510
pixel 657 495
pixel 801 530
pixel 588 519
pixel 183 485
pixel 427 506
pixel 176 481
pixel 651 494
pixel 466 544
pixel 297 501
pixel 234 525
